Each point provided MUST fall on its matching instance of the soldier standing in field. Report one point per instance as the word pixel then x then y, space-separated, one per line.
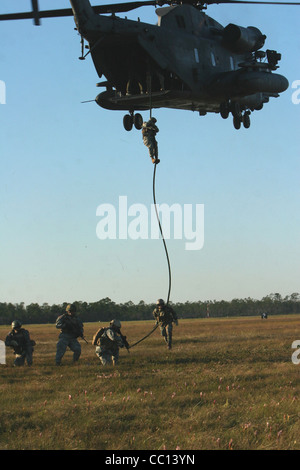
pixel 108 341
pixel 71 328
pixel 165 316
pixel 19 340
pixel 149 131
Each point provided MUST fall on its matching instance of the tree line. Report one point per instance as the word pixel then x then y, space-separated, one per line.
pixel 105 309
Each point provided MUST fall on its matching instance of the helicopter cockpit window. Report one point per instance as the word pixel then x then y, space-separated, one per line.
pixel 180 21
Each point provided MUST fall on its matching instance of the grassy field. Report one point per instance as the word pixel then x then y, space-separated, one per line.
pixel 226 384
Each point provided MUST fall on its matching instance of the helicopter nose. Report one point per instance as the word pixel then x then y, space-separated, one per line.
pixel 278 83
pixel 285 83
pixel 254 82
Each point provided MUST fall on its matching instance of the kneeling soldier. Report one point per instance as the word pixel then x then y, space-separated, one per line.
pixel 108 341
pixel 19 340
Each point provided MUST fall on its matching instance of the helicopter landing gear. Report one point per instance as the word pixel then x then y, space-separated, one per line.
pixel 237 115
pixel 224 110
pixel 246 120
pixel 130 120
pixel 238 119
pixel 138 121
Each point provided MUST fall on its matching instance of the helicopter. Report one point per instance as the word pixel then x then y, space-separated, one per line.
pixel 187 61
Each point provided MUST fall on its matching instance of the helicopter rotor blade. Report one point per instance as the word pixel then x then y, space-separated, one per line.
pixel 41 14
pixel 124 7
pixel 127 6
pixel 36 14
pixel 250 2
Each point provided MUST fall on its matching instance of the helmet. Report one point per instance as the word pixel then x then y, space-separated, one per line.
pixel 115 324
pixel 71 308
pixel 153 119
pixel 16 324
pixel 160 302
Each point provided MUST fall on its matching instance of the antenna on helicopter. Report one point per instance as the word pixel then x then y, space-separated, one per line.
pixel 82 49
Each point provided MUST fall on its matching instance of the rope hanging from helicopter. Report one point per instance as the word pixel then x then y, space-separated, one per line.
pixel 155 205
pixel 167 256
pixel 161 233
pixel 162 236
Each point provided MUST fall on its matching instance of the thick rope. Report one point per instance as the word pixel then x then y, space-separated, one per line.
pixel 162 236
pixel 167 255
pixel 161 232
pixel 152 331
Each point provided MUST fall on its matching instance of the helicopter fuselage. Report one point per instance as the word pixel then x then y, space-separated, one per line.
pixel 187 61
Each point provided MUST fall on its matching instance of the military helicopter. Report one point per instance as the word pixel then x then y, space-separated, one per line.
pixel 186 61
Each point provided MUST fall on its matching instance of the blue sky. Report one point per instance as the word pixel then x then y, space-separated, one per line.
pixel 61 159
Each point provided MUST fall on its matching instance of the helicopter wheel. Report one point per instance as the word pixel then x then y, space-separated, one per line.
pixel 138 121
pixel 128 122
pixel 235 108
pixel 237 121
pixel 246 120
pixel 224 110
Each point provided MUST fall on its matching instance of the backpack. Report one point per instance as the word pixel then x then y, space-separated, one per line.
pixel 97 336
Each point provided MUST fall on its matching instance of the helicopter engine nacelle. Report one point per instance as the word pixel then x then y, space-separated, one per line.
pixel 240 39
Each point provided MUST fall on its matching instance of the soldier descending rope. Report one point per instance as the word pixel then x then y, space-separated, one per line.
pixel 149 131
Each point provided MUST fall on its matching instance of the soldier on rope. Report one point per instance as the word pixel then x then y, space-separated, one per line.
pixel 149 131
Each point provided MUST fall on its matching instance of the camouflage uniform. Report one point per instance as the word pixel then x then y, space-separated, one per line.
pixel 107 342
pixel 19 340
pixel 165 316
pixel 71 328
pixel 149 131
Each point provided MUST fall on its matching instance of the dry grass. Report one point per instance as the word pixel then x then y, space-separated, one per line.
pixel 227 383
